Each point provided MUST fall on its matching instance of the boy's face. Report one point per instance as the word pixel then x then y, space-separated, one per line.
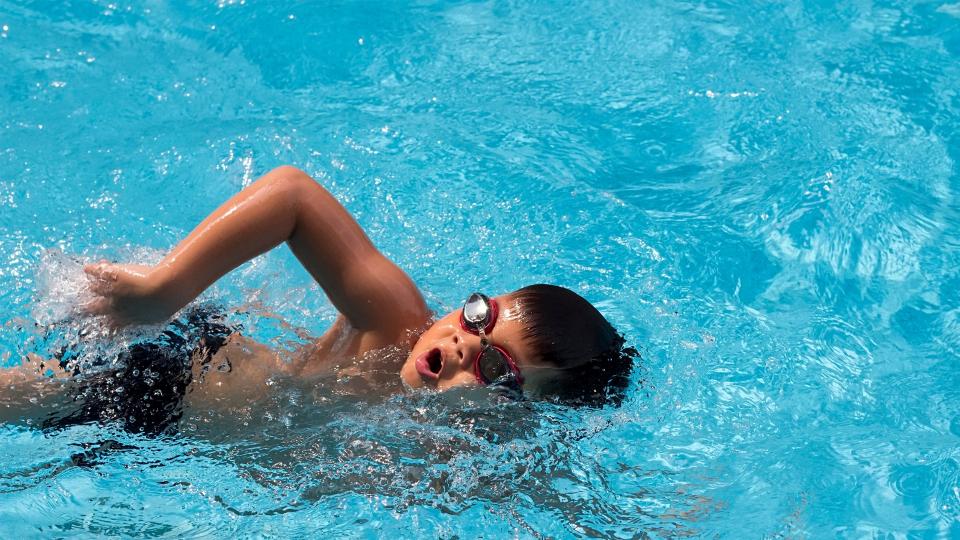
pixel 445 354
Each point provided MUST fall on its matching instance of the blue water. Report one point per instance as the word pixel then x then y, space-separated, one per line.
pixel 760 197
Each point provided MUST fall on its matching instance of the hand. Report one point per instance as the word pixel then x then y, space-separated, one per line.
pixel 127 294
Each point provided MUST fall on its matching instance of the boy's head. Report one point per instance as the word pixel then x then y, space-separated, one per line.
pixel 546 336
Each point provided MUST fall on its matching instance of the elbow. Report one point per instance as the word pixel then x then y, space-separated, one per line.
pixel 288 171
pixel 292 179
pixel 293 183
pixel 297 189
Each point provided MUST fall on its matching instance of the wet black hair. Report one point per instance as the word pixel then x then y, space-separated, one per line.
pixel 565 330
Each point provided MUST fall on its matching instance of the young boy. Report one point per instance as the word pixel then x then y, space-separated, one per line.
pixel 541 340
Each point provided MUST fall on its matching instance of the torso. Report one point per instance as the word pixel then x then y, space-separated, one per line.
pixel 243 371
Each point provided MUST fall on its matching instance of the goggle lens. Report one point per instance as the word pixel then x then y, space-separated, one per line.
pixel 476 311
pixel 479 314
pixel 492 365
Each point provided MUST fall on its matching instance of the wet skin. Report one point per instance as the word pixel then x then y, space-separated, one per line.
pixel 380 307
pixel 458 350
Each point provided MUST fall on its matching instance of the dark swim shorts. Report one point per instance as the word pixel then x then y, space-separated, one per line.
pixel 143 390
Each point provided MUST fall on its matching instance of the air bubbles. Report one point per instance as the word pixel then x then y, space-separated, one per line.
pixel 819 186
pixel 62 287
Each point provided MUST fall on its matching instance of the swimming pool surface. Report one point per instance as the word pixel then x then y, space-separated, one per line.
pixel 760 196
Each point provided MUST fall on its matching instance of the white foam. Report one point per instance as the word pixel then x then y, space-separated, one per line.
pixel 62 291
pixel 61 287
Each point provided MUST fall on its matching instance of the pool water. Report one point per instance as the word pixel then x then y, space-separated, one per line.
pixel 760 196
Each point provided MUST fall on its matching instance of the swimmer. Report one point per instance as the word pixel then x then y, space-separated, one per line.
pixel 541 341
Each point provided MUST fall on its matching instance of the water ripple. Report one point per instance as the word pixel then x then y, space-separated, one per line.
pixel 761 197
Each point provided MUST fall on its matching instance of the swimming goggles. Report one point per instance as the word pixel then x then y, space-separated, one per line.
pixel 493 364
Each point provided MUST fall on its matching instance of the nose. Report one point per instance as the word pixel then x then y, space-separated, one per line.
pixel 460 348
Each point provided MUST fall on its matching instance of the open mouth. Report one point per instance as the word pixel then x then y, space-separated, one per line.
pixel 430 363
pixel 435 361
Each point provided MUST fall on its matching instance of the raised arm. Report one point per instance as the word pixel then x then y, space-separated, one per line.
pixel 285 205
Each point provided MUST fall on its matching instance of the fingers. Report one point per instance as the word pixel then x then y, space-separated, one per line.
pixel 101 270
pixel 104 279
pixel 94 268
pixel 102 276
pixel 117 292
